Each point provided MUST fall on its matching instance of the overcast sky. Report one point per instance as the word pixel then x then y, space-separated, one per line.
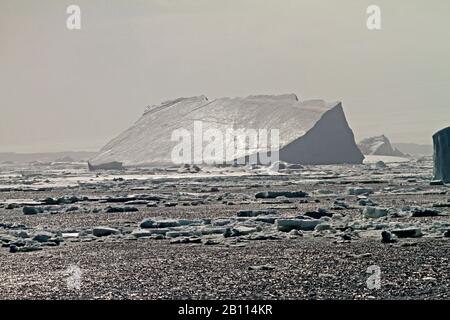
pixel 75 90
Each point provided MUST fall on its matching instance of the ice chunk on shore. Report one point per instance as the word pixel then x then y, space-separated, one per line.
pixel 375 212
pixel 287 225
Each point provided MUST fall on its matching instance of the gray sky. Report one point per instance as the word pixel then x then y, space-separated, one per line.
pixel 75 90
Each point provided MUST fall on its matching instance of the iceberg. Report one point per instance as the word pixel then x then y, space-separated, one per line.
pixel 441 155
pixel 309 132
pixel 379 146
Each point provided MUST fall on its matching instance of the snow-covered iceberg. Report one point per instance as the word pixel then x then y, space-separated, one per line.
pixel 441 155
pixel 379 146
pixel 310 132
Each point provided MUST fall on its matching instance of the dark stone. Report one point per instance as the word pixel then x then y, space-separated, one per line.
pixel 346 237
pixel 424 212
pixel 318 214
pixel 104 231
pixel 408 233
pixel 388 237
pixel 255 213
pixel 274 194
pixel 42 236
pixel 14 249
pixel 32 210
pixel 441 205
pixel 120 209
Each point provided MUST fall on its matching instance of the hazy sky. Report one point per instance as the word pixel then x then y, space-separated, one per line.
pixel 75 90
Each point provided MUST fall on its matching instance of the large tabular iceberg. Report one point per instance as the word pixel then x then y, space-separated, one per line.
pixel 310 132
pixel 441 155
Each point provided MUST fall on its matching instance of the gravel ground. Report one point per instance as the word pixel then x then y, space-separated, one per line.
pixel 315 266
pixel 303 269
